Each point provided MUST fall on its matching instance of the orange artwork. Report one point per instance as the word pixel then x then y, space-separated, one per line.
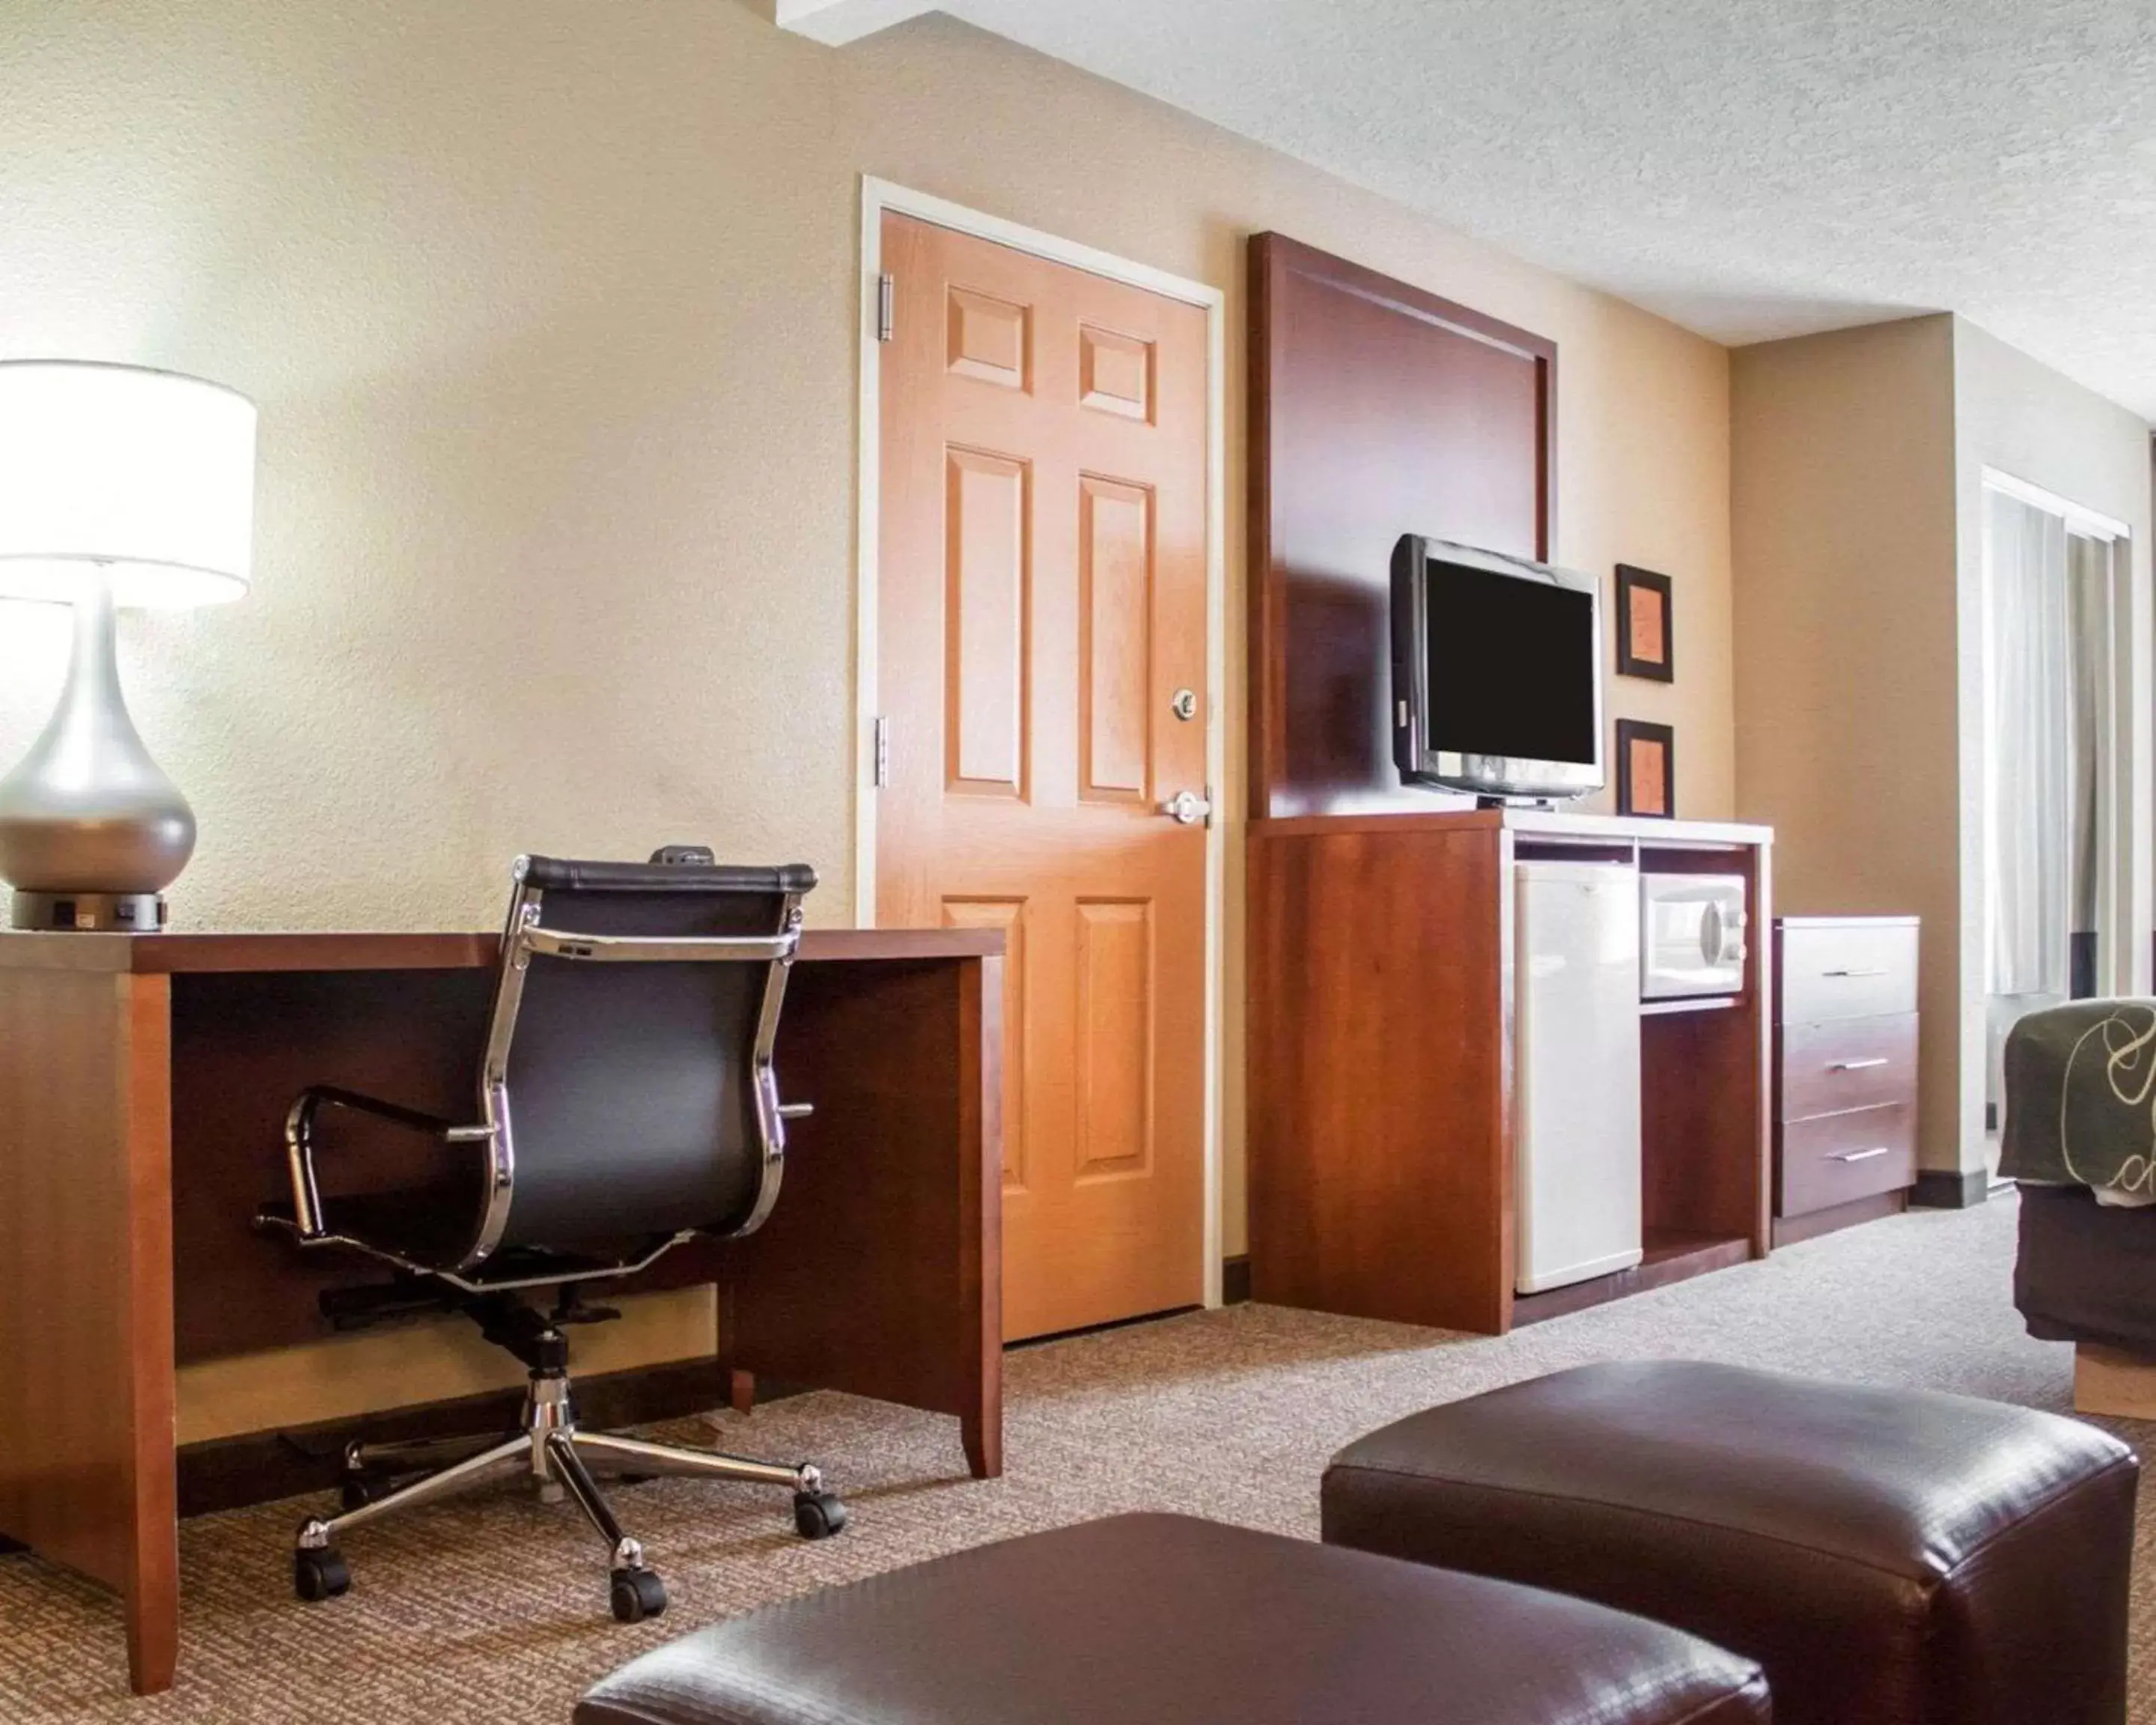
pixel 1646 623
pixel 1649 763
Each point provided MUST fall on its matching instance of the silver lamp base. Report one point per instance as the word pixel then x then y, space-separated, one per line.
pixel 123 912
pixel 91 832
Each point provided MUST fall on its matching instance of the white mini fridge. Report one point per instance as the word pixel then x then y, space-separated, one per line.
pixel 1576 1004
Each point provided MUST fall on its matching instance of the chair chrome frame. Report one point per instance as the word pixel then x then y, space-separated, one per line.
pixel 525 935
pixel 548 1447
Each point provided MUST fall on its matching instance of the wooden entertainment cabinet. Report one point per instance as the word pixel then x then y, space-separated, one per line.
pixel 1381 1073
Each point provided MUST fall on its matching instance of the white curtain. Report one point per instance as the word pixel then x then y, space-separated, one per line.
pixel 2088 581
pixel 2031 728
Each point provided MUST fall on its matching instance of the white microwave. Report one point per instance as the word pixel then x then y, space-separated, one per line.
pixel 1691 935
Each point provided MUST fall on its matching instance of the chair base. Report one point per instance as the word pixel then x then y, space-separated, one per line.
pixel 556 1459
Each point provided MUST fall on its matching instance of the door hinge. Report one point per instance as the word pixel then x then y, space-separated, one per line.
pixel 886 306
pixel 880 767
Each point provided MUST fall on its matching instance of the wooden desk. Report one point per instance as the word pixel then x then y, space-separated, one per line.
pixel 143 1084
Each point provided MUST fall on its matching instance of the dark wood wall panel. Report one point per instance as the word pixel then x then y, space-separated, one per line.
pixel 1377 410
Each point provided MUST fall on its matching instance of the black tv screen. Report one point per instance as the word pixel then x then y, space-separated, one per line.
pixel 1511 666
pixel 1496 673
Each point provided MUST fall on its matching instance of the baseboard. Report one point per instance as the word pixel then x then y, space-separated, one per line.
pixel 1235 1280
pixel 228 1472
pixel 1937 1191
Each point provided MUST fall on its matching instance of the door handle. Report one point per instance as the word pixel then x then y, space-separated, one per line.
pixel 1877 970
pixel 1857 1066
pixel 1860 1155
pixel 1186 808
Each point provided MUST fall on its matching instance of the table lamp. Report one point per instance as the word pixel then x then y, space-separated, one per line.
pixel 119 485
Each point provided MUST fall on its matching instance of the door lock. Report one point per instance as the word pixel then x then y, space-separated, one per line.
pixel 1184 704
pixel 1186 808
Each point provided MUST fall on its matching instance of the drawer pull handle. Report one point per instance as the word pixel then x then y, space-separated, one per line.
pixel 1863 1066
pixel 1875 970
pixel 1862 1155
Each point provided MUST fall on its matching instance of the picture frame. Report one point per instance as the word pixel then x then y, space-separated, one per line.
pixel 1646 769
pixel 1645 635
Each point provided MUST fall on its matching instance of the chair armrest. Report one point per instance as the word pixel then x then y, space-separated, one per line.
pixel 299 1142
pixel 314 1097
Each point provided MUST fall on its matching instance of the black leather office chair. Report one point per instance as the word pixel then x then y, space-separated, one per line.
pixel 627 1103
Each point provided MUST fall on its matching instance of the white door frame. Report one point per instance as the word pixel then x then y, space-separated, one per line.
pixel 879 198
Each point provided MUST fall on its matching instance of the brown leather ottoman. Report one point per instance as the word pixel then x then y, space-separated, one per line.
pixel 1891 1557
pixel 1163 1620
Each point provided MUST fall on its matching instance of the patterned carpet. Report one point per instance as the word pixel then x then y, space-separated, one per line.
pixel 492 1608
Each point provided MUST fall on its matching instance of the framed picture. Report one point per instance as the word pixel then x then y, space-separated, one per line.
pixel 1644 646
pixel 1646 769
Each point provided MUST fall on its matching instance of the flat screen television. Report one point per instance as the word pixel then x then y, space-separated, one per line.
pixel 1496 673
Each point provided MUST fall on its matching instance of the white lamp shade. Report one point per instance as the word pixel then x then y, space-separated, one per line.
pixel 145 477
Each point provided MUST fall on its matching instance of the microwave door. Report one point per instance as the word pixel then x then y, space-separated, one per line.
pixel 1693 936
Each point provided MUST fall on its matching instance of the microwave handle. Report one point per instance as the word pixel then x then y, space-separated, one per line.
pixel 1721 934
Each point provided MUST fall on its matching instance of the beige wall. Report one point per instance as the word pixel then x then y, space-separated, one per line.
pixel 550 309
pixel 1858 460
pixel 1846 680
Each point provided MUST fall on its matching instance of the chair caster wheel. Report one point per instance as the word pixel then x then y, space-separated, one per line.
pixel 320 1574
pixel 637 1594
pixel 356 1493
pixel 818 1515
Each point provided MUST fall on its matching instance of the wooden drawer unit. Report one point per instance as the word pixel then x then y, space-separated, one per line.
pixel 1841 1064
pixel 1844 1066
pixel 1837 1158
pixel 1861 968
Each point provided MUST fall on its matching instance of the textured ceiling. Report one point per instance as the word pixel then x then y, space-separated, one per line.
pixel 1749 168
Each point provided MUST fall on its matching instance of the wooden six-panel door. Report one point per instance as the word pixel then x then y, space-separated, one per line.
pixel 1041 671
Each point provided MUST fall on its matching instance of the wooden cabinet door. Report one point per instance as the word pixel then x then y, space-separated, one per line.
pixel 1041 637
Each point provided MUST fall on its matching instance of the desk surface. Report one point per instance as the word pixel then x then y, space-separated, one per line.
pixel 180 954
